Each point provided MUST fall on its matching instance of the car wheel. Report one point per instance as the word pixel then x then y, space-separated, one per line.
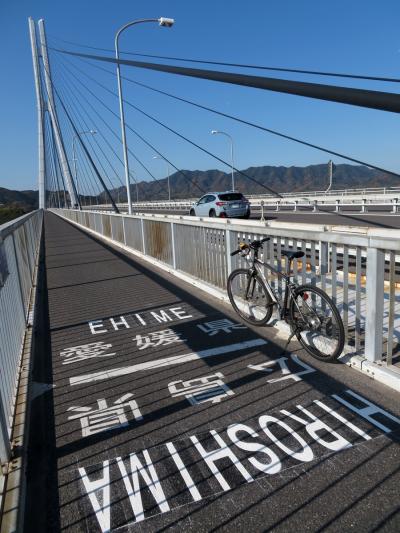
pixel 192 213
pixel 212 213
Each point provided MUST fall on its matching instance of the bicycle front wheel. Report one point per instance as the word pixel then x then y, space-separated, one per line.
pixel 317 323
pixel 249 297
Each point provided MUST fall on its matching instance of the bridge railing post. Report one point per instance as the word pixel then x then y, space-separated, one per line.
pixel 228 250
pixel 395 205
pixel 173 245
pixel 337 206
pixel 143 236
pixel 363 205
pixel 375 302
pixel 323 262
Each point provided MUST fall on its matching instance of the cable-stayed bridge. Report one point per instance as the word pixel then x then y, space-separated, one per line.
pixel 132 396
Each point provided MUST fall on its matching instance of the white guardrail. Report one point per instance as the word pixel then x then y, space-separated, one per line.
pixel 329 204
pixel 337 192
pixel 356 267
pixel 19 246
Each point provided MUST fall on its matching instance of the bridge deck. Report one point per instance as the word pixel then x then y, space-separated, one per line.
pixel 136 380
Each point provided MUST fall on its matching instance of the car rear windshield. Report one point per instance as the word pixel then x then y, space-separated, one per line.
pixel 230 196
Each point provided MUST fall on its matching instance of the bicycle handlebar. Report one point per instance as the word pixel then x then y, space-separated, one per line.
pixel 254 244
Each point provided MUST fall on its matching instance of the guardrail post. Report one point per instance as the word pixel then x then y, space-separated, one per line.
pixel 363 205
pixel 262 211
pixel 228 250
pixel 277 205
pixel 323 262
pixel 173 245
pixel 295 205
pixel 315 205
pixel 375 301
pixel 395 205
pixel 123 229
pixel 143 237
pixel 337 207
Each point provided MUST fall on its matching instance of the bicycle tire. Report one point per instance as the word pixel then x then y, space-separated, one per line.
pixel 261 311
pixel 330 329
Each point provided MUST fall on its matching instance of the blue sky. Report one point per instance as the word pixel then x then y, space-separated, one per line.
pixel 353 37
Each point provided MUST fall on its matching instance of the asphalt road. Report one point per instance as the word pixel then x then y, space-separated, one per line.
pixel 156 409
pixel 376 219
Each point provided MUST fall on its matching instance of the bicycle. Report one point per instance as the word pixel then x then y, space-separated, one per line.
pixel 309 311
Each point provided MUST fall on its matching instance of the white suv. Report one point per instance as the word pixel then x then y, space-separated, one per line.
pixel 221 204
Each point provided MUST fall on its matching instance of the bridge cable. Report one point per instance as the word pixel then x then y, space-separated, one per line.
pixel 178 134
pixel 241 65
pixel 162 188
pixel 85 125
pixel 358 97
pixel 55 166
pixel 132 130
pixel 248 123
pixel 49 162
pixel 81 143
pixel 87 172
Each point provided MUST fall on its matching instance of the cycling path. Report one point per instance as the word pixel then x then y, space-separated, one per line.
pixel 155 408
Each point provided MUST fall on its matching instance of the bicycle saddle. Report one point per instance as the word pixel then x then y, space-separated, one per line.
pixel 291 254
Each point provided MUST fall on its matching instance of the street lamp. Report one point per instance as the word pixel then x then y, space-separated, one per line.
pixel 215 132
pixel 160 157
pixel 74 159
pixel 167 22
pixel 330 172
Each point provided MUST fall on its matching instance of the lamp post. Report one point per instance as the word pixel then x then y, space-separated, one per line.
pixel 167 22
pixel 169 189
pixel 92 132
pixel 330 172
pixel 215 132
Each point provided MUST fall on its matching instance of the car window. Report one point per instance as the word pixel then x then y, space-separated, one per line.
pixel 230 196
pixel 203 200
pixel 210 198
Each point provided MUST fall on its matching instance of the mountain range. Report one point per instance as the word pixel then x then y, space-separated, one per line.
pixel 253 180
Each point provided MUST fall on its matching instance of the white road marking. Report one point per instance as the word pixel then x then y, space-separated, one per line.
pixel 167 361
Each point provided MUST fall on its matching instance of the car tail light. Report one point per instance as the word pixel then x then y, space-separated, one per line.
pixel 220 203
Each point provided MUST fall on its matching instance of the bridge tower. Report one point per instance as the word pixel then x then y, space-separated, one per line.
pixel 54 118
pixel 40 113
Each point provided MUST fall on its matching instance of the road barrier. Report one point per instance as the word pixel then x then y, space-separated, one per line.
pixel 356 266
pixel 330 205
pixel 361 205
pixel 19 246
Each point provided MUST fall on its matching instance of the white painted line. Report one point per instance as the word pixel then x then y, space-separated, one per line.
pixel 167 361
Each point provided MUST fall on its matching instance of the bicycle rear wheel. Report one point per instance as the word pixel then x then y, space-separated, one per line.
pixel 317 323
pixel 249 297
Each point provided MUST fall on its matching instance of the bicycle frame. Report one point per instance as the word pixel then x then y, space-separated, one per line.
pixel 289 285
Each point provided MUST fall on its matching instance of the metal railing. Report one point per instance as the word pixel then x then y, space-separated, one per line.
pixel 359 267
pixel 356 204
pixel 19 246
pixel 336 192
pixel 361 205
